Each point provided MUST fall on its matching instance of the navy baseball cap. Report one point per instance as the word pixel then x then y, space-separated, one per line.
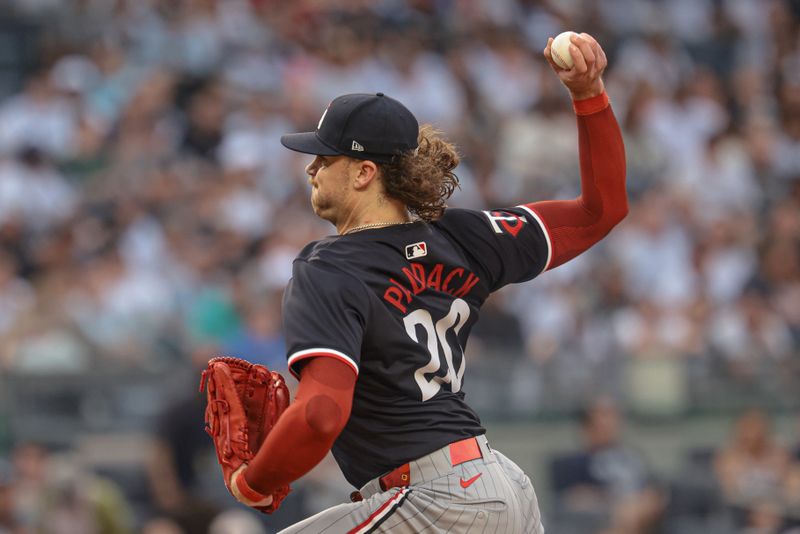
pixel 363 126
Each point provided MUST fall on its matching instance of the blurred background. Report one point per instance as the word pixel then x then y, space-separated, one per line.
pixel 149 217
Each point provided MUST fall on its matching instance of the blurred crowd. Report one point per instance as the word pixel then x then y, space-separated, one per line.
pixel 148 210
pixel 146 205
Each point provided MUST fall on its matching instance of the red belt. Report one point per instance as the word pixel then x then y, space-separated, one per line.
pixel 460 452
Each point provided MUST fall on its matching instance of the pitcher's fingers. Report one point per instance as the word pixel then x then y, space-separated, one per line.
pixel 600 54
pixel 603 57
pixel 586 49
pixel 578 63
pixel 589 38
pixel 546 51
pixel 597 67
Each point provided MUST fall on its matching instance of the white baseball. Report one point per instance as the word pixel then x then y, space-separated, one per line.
pixel 559 50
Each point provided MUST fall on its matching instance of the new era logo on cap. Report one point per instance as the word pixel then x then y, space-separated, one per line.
pixel 357 147
pixel 416 250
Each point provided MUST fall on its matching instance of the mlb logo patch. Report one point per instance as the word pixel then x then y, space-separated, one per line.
pixel 416 250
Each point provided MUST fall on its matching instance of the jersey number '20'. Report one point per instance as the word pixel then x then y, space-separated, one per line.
pixel 437 337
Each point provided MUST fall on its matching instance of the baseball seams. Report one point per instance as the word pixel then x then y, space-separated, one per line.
pixel 558 59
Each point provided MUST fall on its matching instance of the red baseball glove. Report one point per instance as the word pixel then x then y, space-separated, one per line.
pixel 245 401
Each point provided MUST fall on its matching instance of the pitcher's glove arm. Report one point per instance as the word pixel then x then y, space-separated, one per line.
pixel 245 401
pixel 308 429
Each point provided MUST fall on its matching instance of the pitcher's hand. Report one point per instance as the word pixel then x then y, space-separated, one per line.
pixel 588 63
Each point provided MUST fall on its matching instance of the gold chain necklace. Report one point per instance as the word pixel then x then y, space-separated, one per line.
pixel 374 225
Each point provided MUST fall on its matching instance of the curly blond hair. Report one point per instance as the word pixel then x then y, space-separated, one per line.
pixel 423 179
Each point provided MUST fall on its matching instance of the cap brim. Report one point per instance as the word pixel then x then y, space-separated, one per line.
pixel 307 143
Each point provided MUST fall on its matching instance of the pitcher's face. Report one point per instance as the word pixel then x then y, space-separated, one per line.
pixel 329 177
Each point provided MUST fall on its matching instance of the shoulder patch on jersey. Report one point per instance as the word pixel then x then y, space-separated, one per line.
pixel 416 250
pixel 508 222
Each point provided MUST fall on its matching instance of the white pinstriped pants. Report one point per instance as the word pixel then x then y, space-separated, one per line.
pixel 498 498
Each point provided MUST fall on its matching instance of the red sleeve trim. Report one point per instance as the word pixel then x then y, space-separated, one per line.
pixel 545 230
pixel 591 105
pixel 313 353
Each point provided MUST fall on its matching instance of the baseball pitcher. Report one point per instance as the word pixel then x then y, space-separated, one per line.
pixel 376 318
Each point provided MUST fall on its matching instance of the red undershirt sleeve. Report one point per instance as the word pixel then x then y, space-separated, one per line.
pixel 308 428
pixel 575 225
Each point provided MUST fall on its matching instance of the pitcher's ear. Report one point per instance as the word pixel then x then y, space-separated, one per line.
pixel 366 172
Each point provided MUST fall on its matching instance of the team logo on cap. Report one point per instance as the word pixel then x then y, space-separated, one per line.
pixel 357 147
pixel 416 250
pixel 319 124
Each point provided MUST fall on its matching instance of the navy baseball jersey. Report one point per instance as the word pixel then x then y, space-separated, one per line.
pixel 397 305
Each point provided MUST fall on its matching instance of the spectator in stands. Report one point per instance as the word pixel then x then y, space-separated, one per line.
pixel 53 493
pixel 607 480
pixel 38 117
pixel 8 522
pixel 181 465
pixel 259 338
pixel 34 191
pixel 162 525
pixel 751 470
pixel 77 500
pixel 17 297
pixel 29 463
pixel 751 334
